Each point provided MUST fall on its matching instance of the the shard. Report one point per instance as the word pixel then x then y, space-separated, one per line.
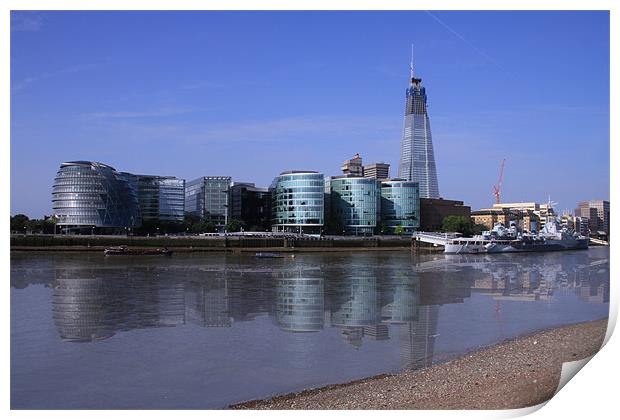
pixel 417 158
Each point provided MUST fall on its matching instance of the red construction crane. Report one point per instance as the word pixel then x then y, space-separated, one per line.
pixel 498 187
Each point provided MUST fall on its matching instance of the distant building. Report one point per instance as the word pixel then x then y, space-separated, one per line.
pixel 92 195
pixel 353 167
pixel 417 158
pixel 377 170
pixel 598 213
pixel 530 216
pixel 207 198
pixel 582 225
pixel 544 212
pixel 488 217
pixel 355 205
pixel 161 197
pixel 250 205
pixel 434 210
pixel 298 202
pixel 400 206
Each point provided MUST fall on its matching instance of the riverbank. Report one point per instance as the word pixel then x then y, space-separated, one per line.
pixel 513 374
pixel 288 250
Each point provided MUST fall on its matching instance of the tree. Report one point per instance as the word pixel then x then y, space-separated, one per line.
pixel 399 230
pixel 478 228
pixel 208 227
pixel 18 222
pixel 233 226
pixel 460 224
pixel 382 228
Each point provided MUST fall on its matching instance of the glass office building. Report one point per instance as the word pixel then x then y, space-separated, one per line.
pixel 355 205
pixel 207 197
pixel 250 205
pixel 417 158
pixel 161 197
pixel 400 206
pixel 88 195
pixel 298 202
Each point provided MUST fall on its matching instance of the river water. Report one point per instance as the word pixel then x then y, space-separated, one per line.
pixel 198 331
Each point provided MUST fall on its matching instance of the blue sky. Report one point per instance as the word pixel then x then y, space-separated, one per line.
pixel 250 94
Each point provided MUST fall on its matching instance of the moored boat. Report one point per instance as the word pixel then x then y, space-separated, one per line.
pixel 501 240
pixel 268 255
pixel 125 250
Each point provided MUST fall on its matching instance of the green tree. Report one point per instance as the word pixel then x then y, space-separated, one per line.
pixel 382 228
pixel 18 223
pixel 477 229
pixel 399 230
pixel 233 226
pixel 207 227
pixel 461 224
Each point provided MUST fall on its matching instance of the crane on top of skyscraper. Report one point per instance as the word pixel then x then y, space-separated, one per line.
pixel 497 188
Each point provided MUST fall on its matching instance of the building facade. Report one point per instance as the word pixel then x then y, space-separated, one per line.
pixel 353 166
pixel 488 217
pixel 91 195
pixel 598 213
pixel 377 170
pixel 207 198
pixel 161 198
pixel 250 205
pixel 355 205
pixel 400 206
pixel 434 210
pixel 417 158
pixel 298 202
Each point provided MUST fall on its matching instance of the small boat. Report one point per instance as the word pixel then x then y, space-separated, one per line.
pixel 124 250
pixel 269 255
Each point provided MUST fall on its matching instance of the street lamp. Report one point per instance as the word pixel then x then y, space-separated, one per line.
pixel 92 230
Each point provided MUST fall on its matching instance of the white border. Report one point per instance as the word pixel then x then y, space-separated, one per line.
pixel 591 394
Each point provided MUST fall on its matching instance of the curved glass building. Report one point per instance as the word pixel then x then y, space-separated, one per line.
pixel 298 202
pixel 94 195
pixel 400 205
pixel 355 204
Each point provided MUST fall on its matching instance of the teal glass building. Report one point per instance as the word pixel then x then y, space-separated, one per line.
pixel 355 205
pixel 298 202
pixel 400 206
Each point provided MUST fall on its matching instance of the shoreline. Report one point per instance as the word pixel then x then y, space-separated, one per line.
pixel 186 250
pixel 519 372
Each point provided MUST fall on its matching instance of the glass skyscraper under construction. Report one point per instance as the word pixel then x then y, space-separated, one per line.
pixel 417 159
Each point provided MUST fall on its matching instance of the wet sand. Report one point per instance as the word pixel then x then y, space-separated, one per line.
pixel 513 374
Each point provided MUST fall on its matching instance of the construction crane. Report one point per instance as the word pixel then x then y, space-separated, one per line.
pixel 497 188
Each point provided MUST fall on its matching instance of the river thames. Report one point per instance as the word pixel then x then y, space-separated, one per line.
pixel 200 331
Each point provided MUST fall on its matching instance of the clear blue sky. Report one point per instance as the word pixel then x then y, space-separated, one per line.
pixel 250 94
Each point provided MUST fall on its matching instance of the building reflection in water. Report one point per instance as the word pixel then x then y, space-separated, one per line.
pixel 300 301
pixel 86 309
pixel 366 299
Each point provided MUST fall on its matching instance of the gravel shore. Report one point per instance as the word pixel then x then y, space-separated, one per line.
pixel 513 374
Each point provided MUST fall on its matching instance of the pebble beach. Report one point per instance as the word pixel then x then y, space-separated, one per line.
pixel 516 373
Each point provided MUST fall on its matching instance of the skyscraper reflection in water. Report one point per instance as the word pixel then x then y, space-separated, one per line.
pixel 367 298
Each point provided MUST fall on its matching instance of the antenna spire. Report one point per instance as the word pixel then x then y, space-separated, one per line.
pixel 411 63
